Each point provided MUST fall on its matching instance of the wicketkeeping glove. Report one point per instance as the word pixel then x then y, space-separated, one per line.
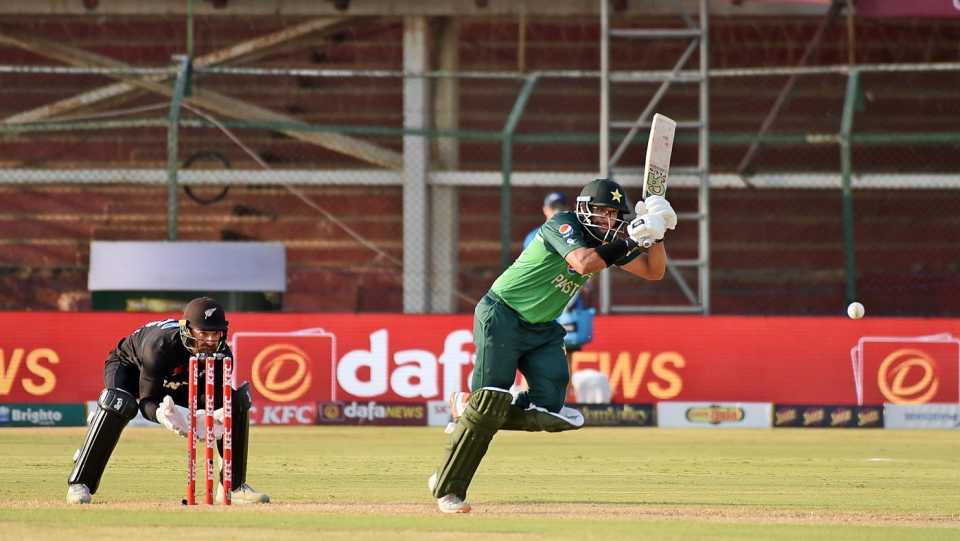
pixel 174 418
pixel 171 418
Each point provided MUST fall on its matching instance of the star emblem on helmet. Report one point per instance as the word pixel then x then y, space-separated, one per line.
pixel 616 195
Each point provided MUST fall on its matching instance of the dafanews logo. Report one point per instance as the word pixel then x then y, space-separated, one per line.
pixel 372 413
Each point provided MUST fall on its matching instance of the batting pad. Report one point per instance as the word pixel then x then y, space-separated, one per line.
pixel 485 413
pixel 537 419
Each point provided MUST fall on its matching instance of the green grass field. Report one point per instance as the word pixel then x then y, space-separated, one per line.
pixel 361 483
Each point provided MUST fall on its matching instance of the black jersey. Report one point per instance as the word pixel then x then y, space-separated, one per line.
pixel 158 352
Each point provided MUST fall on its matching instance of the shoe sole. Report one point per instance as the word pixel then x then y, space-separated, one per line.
pixel 459 511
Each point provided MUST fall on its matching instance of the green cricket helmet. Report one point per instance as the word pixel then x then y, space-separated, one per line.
pixel 603 192
pixel 203 314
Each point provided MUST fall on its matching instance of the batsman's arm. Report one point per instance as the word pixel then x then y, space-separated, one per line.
pixel 591 260
pixel 651 265
pixel 585 261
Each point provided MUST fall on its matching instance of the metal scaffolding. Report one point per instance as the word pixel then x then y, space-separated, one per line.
pixel 696 31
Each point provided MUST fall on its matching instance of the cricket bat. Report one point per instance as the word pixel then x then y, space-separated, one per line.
pixel 656 169
pixel 659 147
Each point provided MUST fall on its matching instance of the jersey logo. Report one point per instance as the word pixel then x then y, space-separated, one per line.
pixel 565 230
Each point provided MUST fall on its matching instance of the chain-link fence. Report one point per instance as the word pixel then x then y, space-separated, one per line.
pixel 315 158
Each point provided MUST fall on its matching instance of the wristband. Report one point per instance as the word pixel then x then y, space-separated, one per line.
pixel 611 252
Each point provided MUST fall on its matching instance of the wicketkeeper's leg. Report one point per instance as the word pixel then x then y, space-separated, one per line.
pixel 115 408
pixel 242 402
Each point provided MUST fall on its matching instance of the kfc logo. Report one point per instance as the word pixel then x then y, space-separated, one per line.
pixel 301 414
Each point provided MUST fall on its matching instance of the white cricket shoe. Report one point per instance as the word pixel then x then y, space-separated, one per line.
pixel 450 503
pixel 243 495
pixel 78 493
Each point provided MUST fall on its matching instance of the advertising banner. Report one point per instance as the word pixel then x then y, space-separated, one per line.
pixel 438 413
pixel 901 8
pixel 921 415
pixel 372 413
pixel 295 361
pixel 714 415
pixel 828 416
pixel 804 360
pixel 907 369
pixel 289 373
pixel 616 414
pixel 42 415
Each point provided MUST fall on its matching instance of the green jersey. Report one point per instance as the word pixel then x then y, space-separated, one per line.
pixel 540 283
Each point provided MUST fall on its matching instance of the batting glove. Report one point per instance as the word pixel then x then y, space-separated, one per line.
pixel 647 228
pixel 657 204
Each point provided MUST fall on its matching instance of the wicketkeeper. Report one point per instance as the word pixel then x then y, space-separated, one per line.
pixel 514 326
pixel 147 372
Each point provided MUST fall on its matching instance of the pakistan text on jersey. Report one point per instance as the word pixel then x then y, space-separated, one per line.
pixel 566 285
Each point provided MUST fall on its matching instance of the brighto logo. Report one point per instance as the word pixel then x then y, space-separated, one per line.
pixel 36 416
pixel 4 414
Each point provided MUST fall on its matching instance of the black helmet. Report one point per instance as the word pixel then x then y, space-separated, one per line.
pixel 602 192
pixel 202 314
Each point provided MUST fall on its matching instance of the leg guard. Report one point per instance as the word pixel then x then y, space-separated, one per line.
pixel 241 434
pixel 116 408
pixel 536 419
pixel 486 411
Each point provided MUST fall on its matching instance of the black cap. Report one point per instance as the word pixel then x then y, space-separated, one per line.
pixel 555 200
pixel 205 314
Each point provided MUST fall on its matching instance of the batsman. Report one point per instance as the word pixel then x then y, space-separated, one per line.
pixel 147 372
pixel 514 326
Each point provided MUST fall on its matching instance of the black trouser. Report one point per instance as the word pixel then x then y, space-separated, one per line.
pixel 100 442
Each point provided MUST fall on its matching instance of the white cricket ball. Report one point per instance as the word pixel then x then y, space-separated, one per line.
pixel 856 310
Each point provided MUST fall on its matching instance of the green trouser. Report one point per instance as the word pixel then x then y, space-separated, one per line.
pixel 506 343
